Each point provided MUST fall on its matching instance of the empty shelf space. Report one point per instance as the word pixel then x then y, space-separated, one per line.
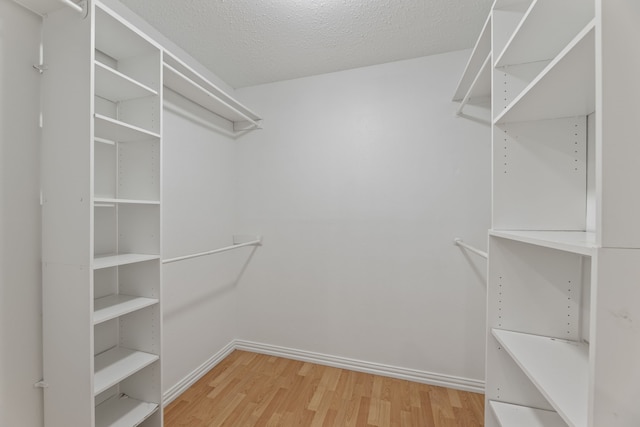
pixel 112 306
pixel 116 364
pixel 113 85
pixel 110 129
pixel 123 411
pixel 558 368
pixel 107 261
pixel 565 88
pixel 474 66
pixel 578 242
pixel 107 200
pixel 178 77
pixel 545 29
pixel 522 416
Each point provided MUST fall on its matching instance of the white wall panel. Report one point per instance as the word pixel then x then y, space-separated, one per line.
pixel 358 182
pixel 20 291
pixel 199 304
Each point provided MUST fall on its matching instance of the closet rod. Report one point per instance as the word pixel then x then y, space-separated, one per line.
pixel 459 242
pixel 257 242
pixel 73 5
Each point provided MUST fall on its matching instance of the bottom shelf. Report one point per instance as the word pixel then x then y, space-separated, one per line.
pixel 522 416
pixel 558 368
pixel 123 411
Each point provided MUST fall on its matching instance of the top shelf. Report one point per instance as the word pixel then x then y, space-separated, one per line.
pixel 117 39
pixel 475 64
pixel 546 27
pixel 565 88
pixel 182 79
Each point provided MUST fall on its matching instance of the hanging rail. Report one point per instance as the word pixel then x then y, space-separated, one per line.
pixel 459 242
pixel 77 7
pixel 257 242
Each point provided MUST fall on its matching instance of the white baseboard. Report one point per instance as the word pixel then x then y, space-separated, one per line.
pixel 198 373
pixel 423 377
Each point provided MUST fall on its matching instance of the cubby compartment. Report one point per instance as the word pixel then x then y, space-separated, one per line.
pixel 137 330
pixel 127 172
pixel 142 113
pixel 121 290
pixel 536 290
pixel 121 48
pixel 126 228
pixel 540 175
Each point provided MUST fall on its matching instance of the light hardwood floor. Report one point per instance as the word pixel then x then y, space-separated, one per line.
pixel 249 389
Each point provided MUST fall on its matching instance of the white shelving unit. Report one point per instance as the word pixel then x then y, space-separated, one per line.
pixel 101 218
pixel 564 248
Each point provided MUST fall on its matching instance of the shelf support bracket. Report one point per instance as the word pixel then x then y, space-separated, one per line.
pixel 41 68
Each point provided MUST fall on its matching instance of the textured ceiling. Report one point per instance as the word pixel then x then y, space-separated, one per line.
pixel 249 42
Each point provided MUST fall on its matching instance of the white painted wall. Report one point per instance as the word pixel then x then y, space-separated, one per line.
pixel 20 278
pixel 359 182
pixel 199 297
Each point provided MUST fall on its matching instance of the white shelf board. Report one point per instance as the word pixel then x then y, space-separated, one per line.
pixel 125 201
pixel 123 411
pixel 509 415
pixel 480 51
pixel 121 259
pixel 545 28
pixel 116 130
pixel 112 306
pixel 118 39
pixel 565 88
pixel 558 368
pixel 116 364
pixel 578 242
pixel 103 141
pixel 113 85
pixel 182 79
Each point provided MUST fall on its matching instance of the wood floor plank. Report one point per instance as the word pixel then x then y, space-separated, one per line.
pixel 249 389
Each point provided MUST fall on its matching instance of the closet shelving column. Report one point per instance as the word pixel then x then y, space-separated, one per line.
pixel 563 249
pixel 541 244
pixel 102 115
